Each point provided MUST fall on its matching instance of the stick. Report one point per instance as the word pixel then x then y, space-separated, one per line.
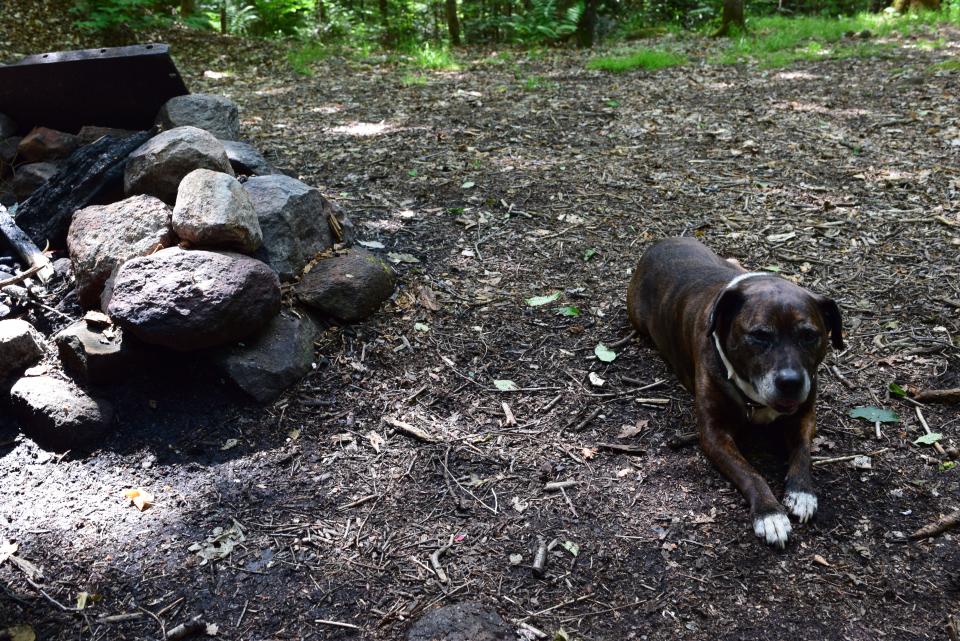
pixel 840 459
pixel 540 559
pixel 549 406
pixel 511 419
pixel 337 624
pixel 186 629
pixel 939 526
pixel 120 618
pixel 24 246
pixel 410 430
pixel 926 428
pixel 946 396
pixel 623 341
pixel 632 450
pixel 840 377
pixel 21 277
pixel 683 440
pixel 553 486
pixel 435 562
pixel 582 424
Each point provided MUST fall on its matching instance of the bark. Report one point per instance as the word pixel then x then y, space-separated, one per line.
pixel 732 15
pixel 187 7
pixel 587 25
pixel 453 22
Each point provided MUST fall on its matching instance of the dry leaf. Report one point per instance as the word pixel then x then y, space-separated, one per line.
pixel 628 431
pixel 819 560
pixel 588 453
pixel 376 441
pixel 139 497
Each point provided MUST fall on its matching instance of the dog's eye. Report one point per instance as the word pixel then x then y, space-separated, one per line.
pixel 760 336
pixel 809 336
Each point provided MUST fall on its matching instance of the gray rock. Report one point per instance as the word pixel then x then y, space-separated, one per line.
pixel 213 210
pixel 58 415
pixel 93 353
pixel 215 114
pixel 293 219
pixel 350 286
pixel 63 268
pixel 158 166
pixel 245 159
pixel 468 621
pixel 7 126
pixel 4 312
pixel 189 300
pixel 103 237
pixel 20 346
pixel 31 177
pixel 276 358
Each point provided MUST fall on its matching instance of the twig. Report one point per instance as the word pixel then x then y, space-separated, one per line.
pixel 186 629
pixel 24 246
pixel 549 406
pixel 840 459
pixel 623 341
pixel 840 377
pixel 681 441
pixel 582 424
pixel 120 618
pixel 337 624
pixel 435 562
pixel 946 396
pixel 49 598
pixel 411 430
pixel 554 486
pixel 511 419
pixel 540 559
pixel 939 526
pixel 926 428
pixel 643 387
pixel 21 276
pixel 632 450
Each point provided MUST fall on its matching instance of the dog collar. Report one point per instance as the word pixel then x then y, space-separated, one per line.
pixel 749 394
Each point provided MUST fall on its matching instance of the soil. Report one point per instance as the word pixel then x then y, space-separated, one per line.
pixel 521 176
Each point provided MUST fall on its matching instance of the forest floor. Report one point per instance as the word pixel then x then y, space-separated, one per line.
pixel 520 176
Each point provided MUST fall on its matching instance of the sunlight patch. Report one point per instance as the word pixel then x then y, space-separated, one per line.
pixel 797 75
pixel 362 129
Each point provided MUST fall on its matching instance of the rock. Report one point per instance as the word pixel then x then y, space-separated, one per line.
pixel 31 176
pixel 468 621
pixel 58 415
pixel 4 312
pixel 158 166
pixel 7 126
pixel 90 133
pixel 20 346
pixel 245 159
pixel 293 219
pixel 213 210
pixel 215 114
pixel 350 286
pixel 103 237
pixel 94 354
pixel 189 300
pixel 276 358
pixel 46 144
pixel 63 268
pixel 8 153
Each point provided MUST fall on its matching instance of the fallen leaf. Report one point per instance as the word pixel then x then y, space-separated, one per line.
pixel 505 385
pixel 596 380
pixel 371 244
pixel 874 414
pixel 394 257
pixel 229 444
pixel 604 353
pixel 569 310
pixel 537 301
pixel 571 547
pixel 468 185
pixel 516 559
pixel 928 439
pixel 139 497
pixel 588 453
pixel 819 560
pixel 628 431
pixel 376 441
pixel 7 550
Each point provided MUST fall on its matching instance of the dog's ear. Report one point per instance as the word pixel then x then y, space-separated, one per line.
pixel 831 315
pixel 726 306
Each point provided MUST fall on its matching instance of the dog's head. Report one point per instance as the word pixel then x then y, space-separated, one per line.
pixel 774 335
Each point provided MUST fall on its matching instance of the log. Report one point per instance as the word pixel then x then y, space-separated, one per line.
pixel 939 526
pixel 945 396
pixel 87 174
pixel 21 243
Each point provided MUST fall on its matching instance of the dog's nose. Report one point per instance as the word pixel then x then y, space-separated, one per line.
pixel 789 382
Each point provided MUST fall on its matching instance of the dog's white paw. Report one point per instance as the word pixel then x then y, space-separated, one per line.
pixel 773 528
pixel 802 505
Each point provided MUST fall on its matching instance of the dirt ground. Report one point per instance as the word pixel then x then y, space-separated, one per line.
pixel 518 177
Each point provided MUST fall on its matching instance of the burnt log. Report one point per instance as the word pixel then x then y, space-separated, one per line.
pixel 88 175
pixel 30 253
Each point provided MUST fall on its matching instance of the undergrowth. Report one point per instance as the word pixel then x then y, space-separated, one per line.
pixel 649 59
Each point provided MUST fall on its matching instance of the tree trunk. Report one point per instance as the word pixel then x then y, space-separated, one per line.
pixel 223 16
pixel 732 15
pixel 321 12
pixel 453 22
pixel 587 25
pixel 187 7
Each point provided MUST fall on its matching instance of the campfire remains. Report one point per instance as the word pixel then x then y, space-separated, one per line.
pixel 154 230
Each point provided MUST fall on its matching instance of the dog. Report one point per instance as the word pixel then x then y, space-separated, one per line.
pixel 747 345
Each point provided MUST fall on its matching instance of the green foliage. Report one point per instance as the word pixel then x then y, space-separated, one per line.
pixel 135 15
pixel 543 22
pixel 649 59
pixel 427 56
pixel 301 58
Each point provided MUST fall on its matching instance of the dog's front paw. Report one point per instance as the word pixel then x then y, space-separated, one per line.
pixel 802 505
pixel 774 528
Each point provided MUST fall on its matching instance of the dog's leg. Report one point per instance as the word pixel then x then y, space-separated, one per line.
pixel 800 497
pixel 770 521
